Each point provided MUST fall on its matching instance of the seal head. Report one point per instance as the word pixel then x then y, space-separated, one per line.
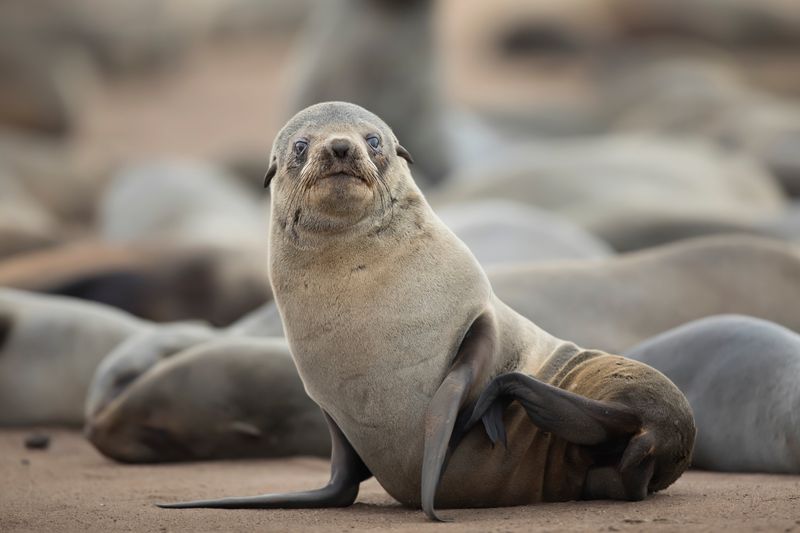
pixel 332 164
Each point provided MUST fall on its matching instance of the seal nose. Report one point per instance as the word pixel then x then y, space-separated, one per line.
pixel 340 148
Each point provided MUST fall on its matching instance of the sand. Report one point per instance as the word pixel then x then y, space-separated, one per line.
pixel 71 487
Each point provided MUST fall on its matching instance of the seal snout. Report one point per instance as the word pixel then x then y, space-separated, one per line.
pixel 339 147
pixel 342 159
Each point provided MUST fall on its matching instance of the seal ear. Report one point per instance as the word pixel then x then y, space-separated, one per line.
pixel 271 171
pixel 402 152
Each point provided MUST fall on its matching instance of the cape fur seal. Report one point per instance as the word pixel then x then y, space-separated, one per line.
pixel 49 348
pixel 136 355
pixel 398 337
pixel 616 303
pixel 503 231
pixel 629 190
pixel 181 201
pixel 217 399
pixel 740 376
pixel 163 282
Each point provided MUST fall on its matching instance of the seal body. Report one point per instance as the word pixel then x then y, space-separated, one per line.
pixel 378 298
pixel 49 348
pixel 739 374
pixel 162 282
pixel 503 231
pixel 616 303
pixel 221 398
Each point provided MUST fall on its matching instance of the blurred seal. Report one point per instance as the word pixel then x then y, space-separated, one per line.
pixel 618 302
pixel 49 348
pixel 163 282
pixel 740 375
pixel 136 355
pixel 220 399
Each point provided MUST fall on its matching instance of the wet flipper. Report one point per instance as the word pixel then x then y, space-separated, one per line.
pixel 567 415
pixel 347 472
pixel 472 361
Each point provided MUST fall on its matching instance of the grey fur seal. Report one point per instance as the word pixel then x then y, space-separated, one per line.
pixel 616 303
pixel 159 281
pixel 504 231
pixel 136 355
pixel 180 201
pixel 398 337
pixel 219 399
pixel 49 348
pixel 740 375
pixel 608 184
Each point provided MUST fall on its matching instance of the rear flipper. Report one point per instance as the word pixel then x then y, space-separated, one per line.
pixel 578 420
pixel 347 472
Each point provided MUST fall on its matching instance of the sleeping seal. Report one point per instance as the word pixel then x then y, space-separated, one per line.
pixel 398 337
pixel 220 399
pixel 162 282
pixel 49 348
pixel 136 355
pixel 740 376
pixel 616 303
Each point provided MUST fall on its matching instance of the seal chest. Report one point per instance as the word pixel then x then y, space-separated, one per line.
pixel 372 336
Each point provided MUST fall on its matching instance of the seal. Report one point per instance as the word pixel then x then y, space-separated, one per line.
pixel 503 231
pixel 49 349
pixel 180 201
pixel 136 355
pixel 615 303
pixel 643 192
pixel 224 398
pixel 739 374
pixel 162 282
pixel 399 339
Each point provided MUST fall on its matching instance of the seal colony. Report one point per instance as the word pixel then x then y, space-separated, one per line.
pixel 407 349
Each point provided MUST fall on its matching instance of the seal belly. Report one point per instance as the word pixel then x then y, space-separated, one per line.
pixel 535 467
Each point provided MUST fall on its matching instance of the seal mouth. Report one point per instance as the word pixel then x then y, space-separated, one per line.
pixel 343 176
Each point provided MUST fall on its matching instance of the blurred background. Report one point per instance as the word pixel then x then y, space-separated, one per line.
pixel 134 135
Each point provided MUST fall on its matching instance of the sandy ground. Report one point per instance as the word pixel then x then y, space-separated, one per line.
pixel 71 487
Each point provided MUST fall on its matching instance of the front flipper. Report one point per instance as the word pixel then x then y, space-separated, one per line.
pixel 572 417
pixel 347 472
pixel 473 360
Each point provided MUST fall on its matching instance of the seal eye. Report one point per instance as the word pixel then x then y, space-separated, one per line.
pixel 374 141
pixel 300 147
